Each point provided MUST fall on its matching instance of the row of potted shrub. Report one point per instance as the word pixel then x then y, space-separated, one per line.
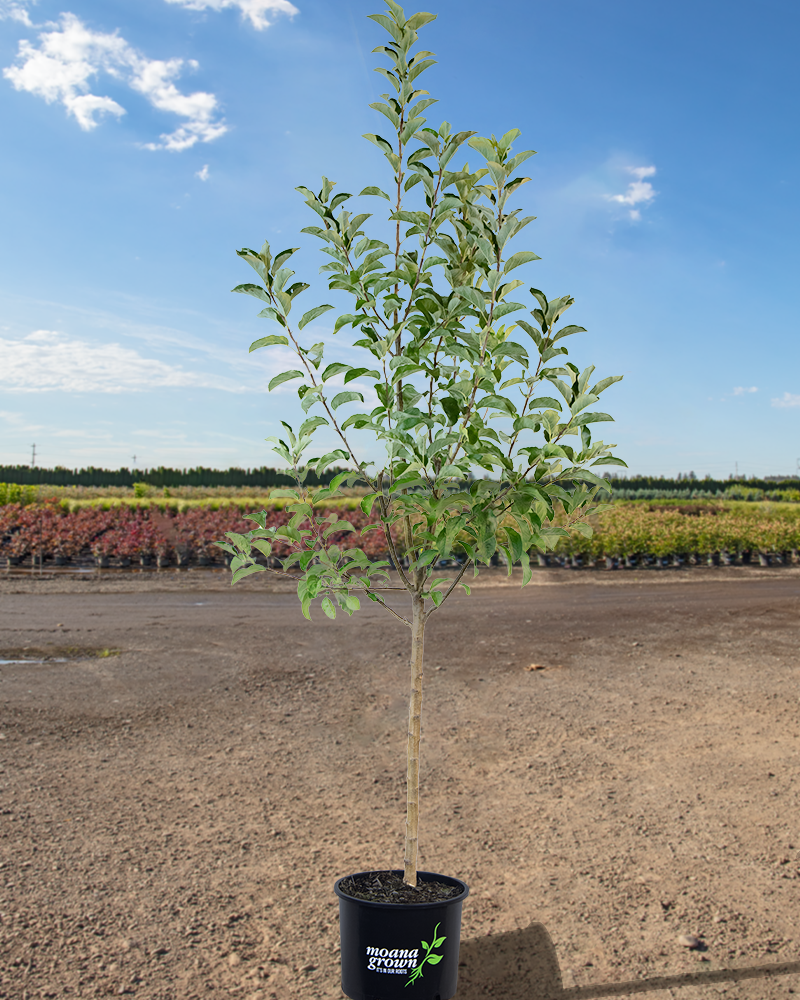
pixel 124 535
pixel 727 532
pixel 629 534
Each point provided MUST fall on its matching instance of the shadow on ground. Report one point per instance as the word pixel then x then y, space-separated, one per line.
pixel 522 965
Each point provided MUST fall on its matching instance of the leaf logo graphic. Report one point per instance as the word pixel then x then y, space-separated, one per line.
pixel 429 956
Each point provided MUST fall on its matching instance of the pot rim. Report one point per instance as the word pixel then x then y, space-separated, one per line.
pixel 411 907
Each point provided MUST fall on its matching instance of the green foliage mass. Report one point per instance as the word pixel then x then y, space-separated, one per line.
pixel 486 424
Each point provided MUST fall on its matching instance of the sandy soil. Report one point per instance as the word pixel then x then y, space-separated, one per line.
pixel 173 816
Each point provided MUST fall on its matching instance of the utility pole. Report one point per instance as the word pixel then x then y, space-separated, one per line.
pixel 134 461
pixel 33 458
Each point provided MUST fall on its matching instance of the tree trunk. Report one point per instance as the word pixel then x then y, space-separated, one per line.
pixel 414 716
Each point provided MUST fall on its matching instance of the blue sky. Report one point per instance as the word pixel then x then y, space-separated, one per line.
pixel 144 142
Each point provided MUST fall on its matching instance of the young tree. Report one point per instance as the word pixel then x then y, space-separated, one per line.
pixel 458 391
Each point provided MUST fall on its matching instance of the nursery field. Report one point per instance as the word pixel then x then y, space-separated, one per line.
pixel 160 531
pixel 189 768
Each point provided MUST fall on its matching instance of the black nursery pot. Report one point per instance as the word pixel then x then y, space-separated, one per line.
pixel 382 945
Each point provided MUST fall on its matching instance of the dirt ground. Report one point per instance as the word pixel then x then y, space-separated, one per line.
pixel 173 815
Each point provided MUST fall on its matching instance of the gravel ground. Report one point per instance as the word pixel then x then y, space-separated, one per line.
pixel 175 810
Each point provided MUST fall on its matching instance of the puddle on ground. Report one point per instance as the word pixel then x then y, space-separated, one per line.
pixel 60 659
pixel 18 655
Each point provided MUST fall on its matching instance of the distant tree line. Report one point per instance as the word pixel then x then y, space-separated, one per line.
pixel 26 475
pixel 632 487
pixel 706 485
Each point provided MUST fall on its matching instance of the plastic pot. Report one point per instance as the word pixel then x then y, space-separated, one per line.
pixel 394 950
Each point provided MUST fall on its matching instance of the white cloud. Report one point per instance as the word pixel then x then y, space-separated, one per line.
pixel 639 191
pixel 47 361
pixel 16 10
pixel 18 421
pixel 740 390
pixel 70 55
pixel 787 400
pixel 203 173
pixel 255 10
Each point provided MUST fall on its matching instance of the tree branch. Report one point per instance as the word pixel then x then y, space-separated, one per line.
pixel 323 400
pixel 383 604
pixel 452 587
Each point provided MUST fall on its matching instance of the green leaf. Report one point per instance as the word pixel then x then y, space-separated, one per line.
pixel 415 22
pixel 451 407
pixel 605 383
pixel 270 312
pixel 435 959
pixel 310 425
pixel 526 568
pixel 590 418
pixel 356 420
pixel 504 308
pixel 337 480
pixel 263 546
pixel 497 403
pixel 346 397
pixel 358 372
pixel 256 261
pixel 312 314
pixel 328 607
pixel 326 460
pixel 255 290
pixel 510 349
pixel 610 460
pixel 344 320
pixel 371 189
pixel 242 542
pixel 368 502
pixel 567 331
pixel 238 574
pixel 408 481
pixel 282 257
pixel 283 377
pixel 472 295
pixel 534 334
pixel 425 559
pixel 337 526
pixel 308 398
pixel 583 400
pixel 380 142
pixel 334 369
pixel 274 338
pixel 521 257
